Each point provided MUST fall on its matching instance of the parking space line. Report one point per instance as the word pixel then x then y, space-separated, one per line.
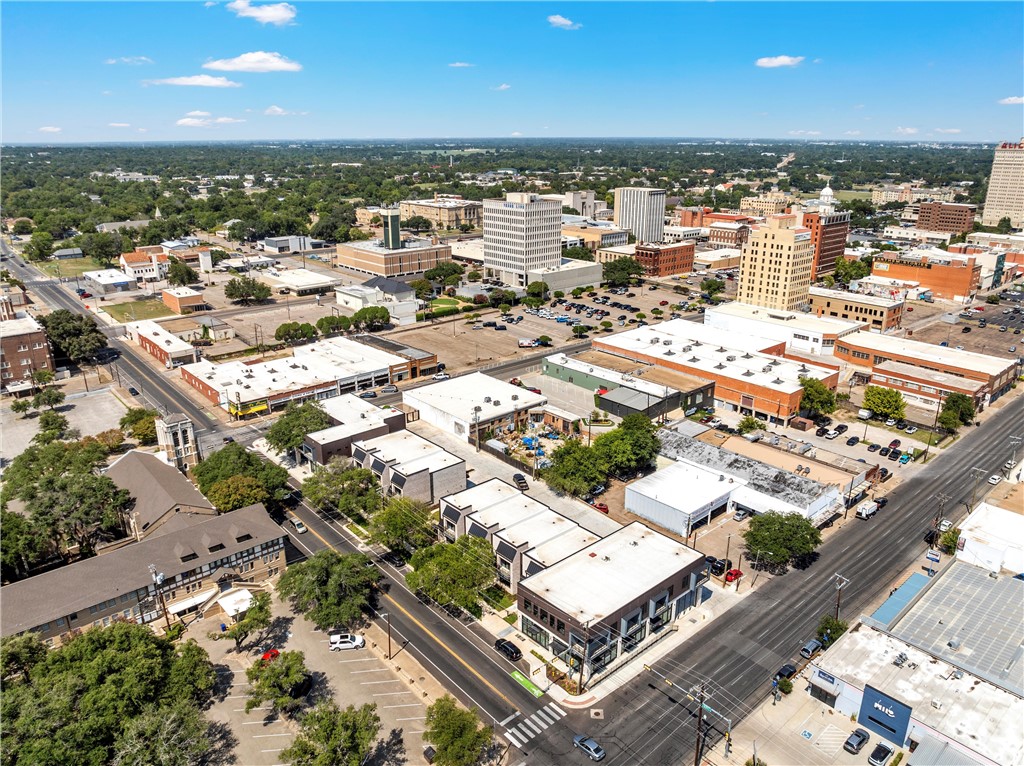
pixel 415 704
pixel 264 736
pixel 375 670
pixel 368 683
pixel 273 750
pixel 261 723
pixel 389 694
pixel 243 710
pixel 365 659
pixel 420 718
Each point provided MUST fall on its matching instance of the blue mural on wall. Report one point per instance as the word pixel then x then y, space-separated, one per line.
pixel 887 717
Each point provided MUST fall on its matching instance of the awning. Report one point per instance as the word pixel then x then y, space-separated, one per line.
pixel 234 602
pixel 825 681
pixel 187 603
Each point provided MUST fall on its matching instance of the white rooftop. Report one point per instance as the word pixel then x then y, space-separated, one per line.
pixel 612 376
pixel 554 550
pixel 705 487
pixel 623 250
pixel 607 576
pixel 510 511
pixel 460 396
pixel 926 352
pixel 483 495
pixel 968 709
pixel 566 265
pixel 537 530
pixel 377 245
pixel 721 254
pixel 791 320
pixel 182 292
pixel 21 324
pixel 708 349
pixel 868 300
pixel 354 416
pixel 304 278
pixel 107 277
pixel 408 453
pixel 444 202
pixel 941 379
pixel 146 328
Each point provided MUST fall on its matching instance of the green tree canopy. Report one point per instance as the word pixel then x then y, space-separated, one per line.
pixel 295 332
pixel 417 223
pixel 298 421
pixel 887 402
pixel 257 618
pixel 750 423
pixel 83 703
pixel 40 247
pixel 140 423
pixel 443 271
pixel 627 448
pixel 237 492
pixel 423 287
pixel 235 460
pixel 75 335
pixel 712 286
pixel 342 488
pixel 103 248
pixel 620 271
pixel 829 628
pixel 371 318
pixel 403 523
pixel 48 397
pixel 171 735
pixel 847 271
pixel 575 469
pixel 333 323
pixel 817 397
pixel 330 736
pixel 181 274
pixel 246 290
pixel 537 289
pixel 332 589
pixel 453 573
pixel 578 253
pixel 961 405
pixel 78 508
pixel 455 733
pixel 273 681
pixel 776 539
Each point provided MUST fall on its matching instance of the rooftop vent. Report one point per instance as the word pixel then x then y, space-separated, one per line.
pixel 803 368
pixel 777 381
pixel 238 382
pixel 670 352
pixel 721 350
pixel 748 374
pixel 954 644
pixel 496 402
pixel 719 366
pixel 687 348
pixel 515 397
pixel 693 359
pixel 654 341
pixel 666 343
pixel 487 400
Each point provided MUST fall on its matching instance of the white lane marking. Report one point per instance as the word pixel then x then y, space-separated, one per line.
pixel 415 704
pixel 511 717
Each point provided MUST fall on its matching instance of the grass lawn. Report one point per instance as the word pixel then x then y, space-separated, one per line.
pixel 70 267
pixel 439 302
pixel 137 310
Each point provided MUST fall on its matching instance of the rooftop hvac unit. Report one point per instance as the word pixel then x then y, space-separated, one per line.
pixel 730 359
pixel 515 397
pixel 654 341
pixel 246 386
pixel 496 402
pixel 238 382
pixel 487 400
pixel 687 348
pixel 305 367
pixel 766 369
pixel 666 343
pixel 954 644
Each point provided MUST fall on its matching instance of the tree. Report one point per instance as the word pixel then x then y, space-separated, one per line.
pixel 329 736
pixel 257 617
pixel 42 377
pixel 294 332
pixel 848 271
pixel 574 469
pixel 992 300
pixel 344 489
pixel 474 276
pixel 176 735
pixel 180 273
pixel 620 271
pixel 443 271
pixel 371 318
pixel 948 541
pixel 273 681
pixel 544 340
pixel 103 248
pixel 629 447
pixel 1005 226
pixel 537 289
pixel 417 223
pixel 750 423
pixel 22 226
pixel 74 335
pixel 949 421
pixel 887 402
pixel 237 492
pixel 21 406
pixel 19 654
pixel 140 423
pixel 829 629
pixel 453 573
pixel 48 397
pixel 86 701
pixel 78 508
pixel 298 421
pixel 501 297
pixel 776 539
pixel 40 247
pixel 356 234
pixel 332 589
pixel 402 524
pixel 961 405
pixel 578 253
pixel 423 287
pixel 246 290
pixel 235 460
pixel 455 733
pixel 579 331
pixel 817 397
pixel 712 287
pixel 606 326
pixel 52 426
pixel 332 323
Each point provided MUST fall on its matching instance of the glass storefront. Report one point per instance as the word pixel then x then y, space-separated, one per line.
pixel 536 632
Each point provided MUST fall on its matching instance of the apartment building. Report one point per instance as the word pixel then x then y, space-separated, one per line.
pixel 762 206
pixel 879 313
pixel 522 233
pixel 407 465
pixel 662 260
pixel 24 348
pixel 595 236
pixel 946 216
pixel 946 275
pixel 585 203
pixel 776 264
pixel 642 211
pixel 444 211
pixel 727 235
pixel 374 257
pixel 1005 196
pixel 910 193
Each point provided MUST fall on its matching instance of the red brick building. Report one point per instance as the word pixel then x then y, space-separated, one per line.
pixel 946 216
pixel 661 260
pixel 828 233
pixel 947 275
pixel 24 347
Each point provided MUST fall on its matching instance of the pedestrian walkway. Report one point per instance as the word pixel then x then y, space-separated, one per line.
pixel 530 727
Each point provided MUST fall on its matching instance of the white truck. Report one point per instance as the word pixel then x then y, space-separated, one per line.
pixel 865 414
pixel 867 509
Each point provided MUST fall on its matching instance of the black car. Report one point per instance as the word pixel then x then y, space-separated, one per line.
pixel 786 671
pixel 852 440
pixel 510 650
pixel 895 454
pixel 823 420
pixel 368 395
pixel 842 428
pixel 821 431
pixel 874 447
pixel 881 502
pixel 229 439
pixel 884 452
pixel 856 741
pixel 520 481
pixel 133 390
pixel 716 566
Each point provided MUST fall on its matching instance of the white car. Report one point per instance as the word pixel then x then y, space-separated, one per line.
pixel 994 479
pixel 340 641
pixel 945 525
pixel 300 528
pixel 441 376
pixel 1008 465
pixel 910 430
pixel 714 423
pixel 891 422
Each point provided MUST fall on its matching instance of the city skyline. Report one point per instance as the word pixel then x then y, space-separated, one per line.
pixel 241 71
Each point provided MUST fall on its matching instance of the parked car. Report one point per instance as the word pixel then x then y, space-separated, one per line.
pixel 133 390
pixel 741 514
pixel 602 507
pixel 589 747
pixel 390 388
pixel 821 431
pixel 895 454
pixel 842 428
pixel 718 567
pixel 856 741
pixel 86 295
pixel 270 655
pixel 874 447
pixel 890 422
pixel 994 479
pixel 733 575
pixel 368 395
pixel 895 443
pixel 945 525
pixel 880 755
pixel 904 458
pixel 520 482
pixel 881 502
pixel 851 441
pixel 910 430
pixel 786 671
pixel 300 528
pixel 341 641
pixel 512 652
pixel 440 376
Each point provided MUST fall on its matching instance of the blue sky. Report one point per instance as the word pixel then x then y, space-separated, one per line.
pixel 242 70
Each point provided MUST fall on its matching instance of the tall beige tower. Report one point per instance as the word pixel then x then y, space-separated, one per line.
pixel 776 264
pixel 176 435
pixel 1005 197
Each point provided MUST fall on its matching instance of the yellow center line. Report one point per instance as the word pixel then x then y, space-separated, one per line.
pixel 427 631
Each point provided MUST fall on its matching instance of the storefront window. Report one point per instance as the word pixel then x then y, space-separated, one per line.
pixel 536 632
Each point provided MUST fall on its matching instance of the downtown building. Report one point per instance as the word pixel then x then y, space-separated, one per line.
pixel 829 231
pixel 1005 197
pixel 642 211
pixel 776 264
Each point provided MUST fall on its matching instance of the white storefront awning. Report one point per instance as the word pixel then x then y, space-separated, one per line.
pixel 234 602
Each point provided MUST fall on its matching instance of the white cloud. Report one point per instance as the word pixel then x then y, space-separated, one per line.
pixel 906 131
pixel 131 60
pixel 560 22
pixel 460 65
pixel 503 86
pixel 516 133
pixel 1011 100
pixel 193 122
pixel 277 14
pixel 256 61
pixel 50 129
pixel 204 120
pixel 197 80
pixel 119 124
pixel 817 61
pixel 143 130
pixel 197 113
pixel 276 111
pixel 852 133
pixel 209 4
pixel 947 130
pixel 805 132
pixel 771 62
pixel 858 106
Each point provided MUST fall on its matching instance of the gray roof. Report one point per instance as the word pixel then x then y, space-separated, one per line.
pixel 762 477
pixel 630 397
pixel 76 251
pixel 393 347
pixel 157 487
pixel 388 285
pixel 74 588
pixel 115 225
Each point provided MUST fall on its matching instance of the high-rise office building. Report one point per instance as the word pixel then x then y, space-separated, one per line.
pixel 391 218
pixel 522 233
pixel 1005 197
pixel 776 264
pixel 642 211
pixel 829 230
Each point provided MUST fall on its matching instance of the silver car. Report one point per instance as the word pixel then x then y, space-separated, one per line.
pixel 589 746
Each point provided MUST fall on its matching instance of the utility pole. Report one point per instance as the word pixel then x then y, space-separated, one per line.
pixel 841 582
pixel 943 498
pixel 388 615
pixel 1015 442
pixel 158 580
pixel 700 717
pixel 977 473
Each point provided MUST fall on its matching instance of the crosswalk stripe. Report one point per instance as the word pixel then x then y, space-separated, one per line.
pixel 545 715
pixel 512 739
pixel 540 722
pixel 555 709
pixel 524 732
pixel 536 727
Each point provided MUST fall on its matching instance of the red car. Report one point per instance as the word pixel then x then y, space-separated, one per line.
pixel 733 575
pixel 83 296
pixel 662 303
pixel 602 507
pixel 270 656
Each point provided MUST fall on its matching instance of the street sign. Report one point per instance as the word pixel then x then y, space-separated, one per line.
pixel 932 556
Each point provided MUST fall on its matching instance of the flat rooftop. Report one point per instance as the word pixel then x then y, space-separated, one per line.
pixel 704 486
pixel 107 276
pixel 939 379
pixel 791 320
pixel 721 254
pixel 393 346
pixel 623 250
pixel 460 396
pixel 866 300
pixel 182 292
pixel 409 453
pixel 700 347
pixel 509 512
pixel 823 471
pixel 983 614
pixel 659 376
pixel 482 495
pixel 607 576
pixel 304 278
pixel 158 335
pixel 623 378
pixel 22 324
pixel 352 415
pixel 554 550
pixel 975 713
pixel 928 353
pixel 444 202
pixel 376 246
pixel 537 530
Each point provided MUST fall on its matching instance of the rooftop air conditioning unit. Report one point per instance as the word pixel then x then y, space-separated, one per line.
pixel 515 397
pixel 238 382
pixel 730 359
pixel 666 343
pixel 496 402
pixel 687 348
pixel 305 367
pixel 487 400
pixel 654 341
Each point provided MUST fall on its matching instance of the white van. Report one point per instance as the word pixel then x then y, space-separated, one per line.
pixel 867 509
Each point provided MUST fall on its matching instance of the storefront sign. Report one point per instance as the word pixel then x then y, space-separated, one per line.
pixel 887 717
